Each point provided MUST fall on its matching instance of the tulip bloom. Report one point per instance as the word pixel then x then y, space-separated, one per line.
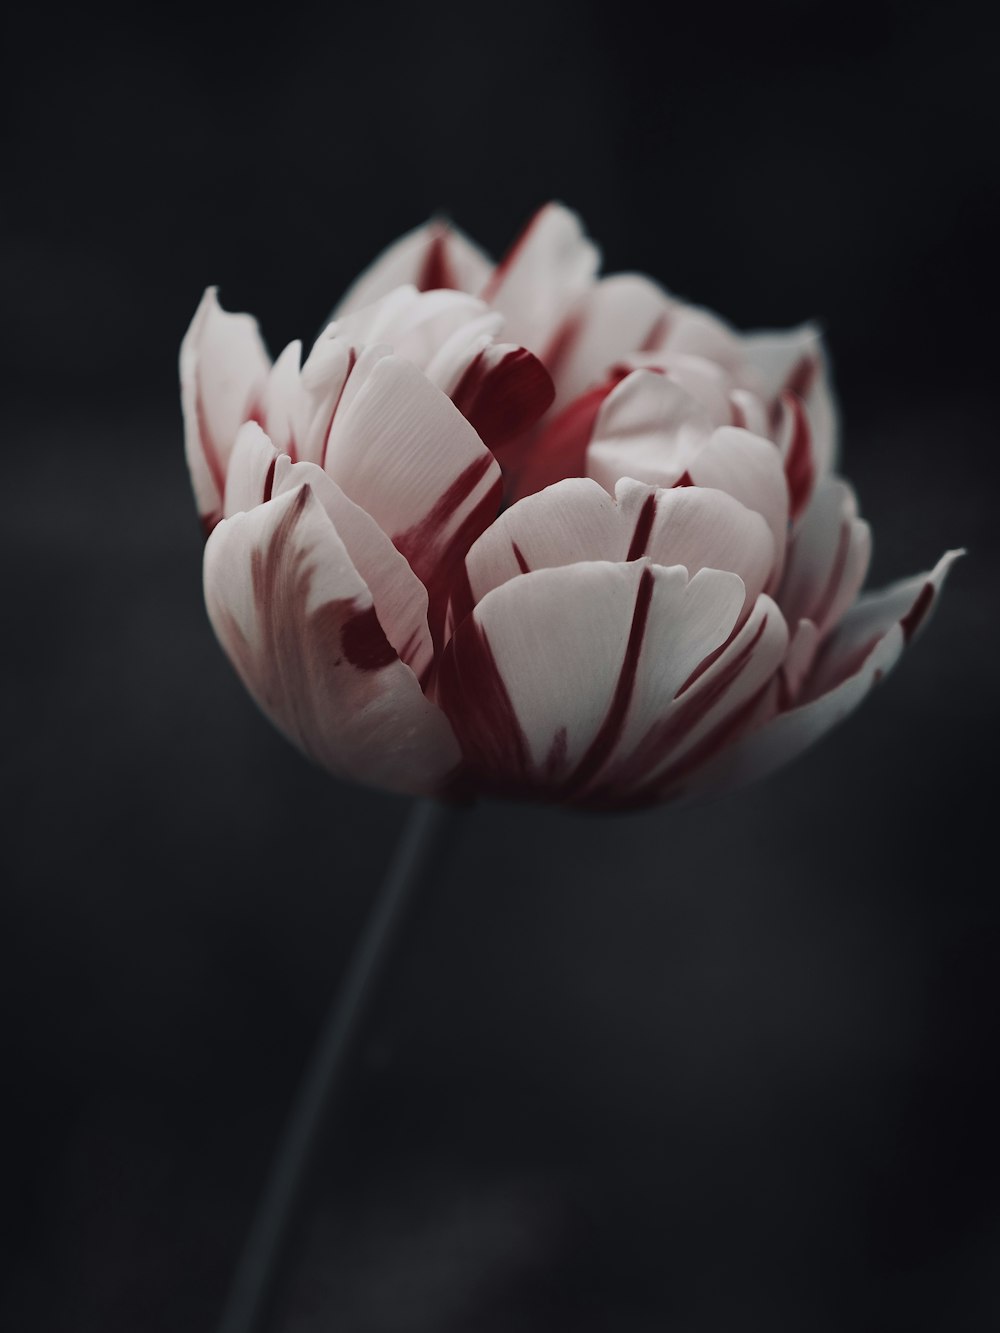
pixel 523 530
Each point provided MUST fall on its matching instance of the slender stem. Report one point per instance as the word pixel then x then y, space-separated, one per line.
pixel 251 1296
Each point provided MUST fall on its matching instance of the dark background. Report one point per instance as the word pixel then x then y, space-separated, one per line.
pixel 731 1068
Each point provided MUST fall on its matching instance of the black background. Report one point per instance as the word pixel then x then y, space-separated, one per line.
pixel 731 1068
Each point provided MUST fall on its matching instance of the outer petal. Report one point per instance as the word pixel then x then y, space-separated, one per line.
pixel 863 650
pixel 543 278
pixel 434 255
pixel 401 450
pixel 257 473
pixel 223 365
pixel 299 625
pixel 558 675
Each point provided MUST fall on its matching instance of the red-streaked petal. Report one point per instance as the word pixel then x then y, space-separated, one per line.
pixel 557 675
pixel 863 650
pixel 560 449
pixel 619 316
pixel 576 520
pixel 502 392
pixel 223 366
pixel 434 255
pixel 299 625
pixel 417 325
pixel 257 473
pixel 793 434
pixel 827 558
pixel 401 450
pixel 543 278
pixel 794 361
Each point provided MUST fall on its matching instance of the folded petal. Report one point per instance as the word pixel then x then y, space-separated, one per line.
pixel 794 361
pixel 223 367
pixel 864 648
pixel 543 278
pixel 401 450
pixel 646 428
pixel 434 255
pixel 556 678
pixel 750 469
pixel 299 624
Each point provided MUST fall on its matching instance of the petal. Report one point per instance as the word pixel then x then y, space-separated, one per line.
pixel 401 450
pixel 827 558
pixel 794 360
pixel 281 406
pixel 223 365
pixel 620 315
pixel 434 255
pixel 646 428
pixel 863 650
pixel 576 520
pixel 322 381
pixel 417 325
pixel 750 469
pixel 502 392
pixel 299 625
pixel 559 673
pixel 542 279
pixel 560 448
pixel 257 473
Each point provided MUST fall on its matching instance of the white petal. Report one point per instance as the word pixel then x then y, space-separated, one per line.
pixel 543 278
pixel 646 428
pixel 282 401
pixel 556 678
pixel 417 325
pixel 434 255
pixel 795 360
pixel 223 365
pixel 827 558
pixel 401 450
pixel 749 468
pixel 576 520
pixel 864 649
pixel 619 316
pixel 299 625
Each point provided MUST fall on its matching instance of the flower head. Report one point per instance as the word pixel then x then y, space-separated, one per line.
pixel 525 530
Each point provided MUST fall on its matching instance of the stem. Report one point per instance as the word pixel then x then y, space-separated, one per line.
pixel 251 1296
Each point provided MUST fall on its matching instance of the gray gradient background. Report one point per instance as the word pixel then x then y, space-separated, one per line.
pixel 730 1068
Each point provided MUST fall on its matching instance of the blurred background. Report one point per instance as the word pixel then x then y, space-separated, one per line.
pixel 691 1071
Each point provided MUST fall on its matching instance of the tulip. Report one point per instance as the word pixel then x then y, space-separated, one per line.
pixel 606 561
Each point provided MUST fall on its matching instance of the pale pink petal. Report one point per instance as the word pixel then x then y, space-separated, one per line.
pixel 299 624
pixel 619 316
pixel 321 382
pixel 250 479
pixel 827 558
pixel 555 679
pixel 858 655
pixel 401 450
pixel 699 332
pixel 748 410
pixel 542 280
pixel 559 449
pixel 434 255
pixel 647 429
pixel 223 366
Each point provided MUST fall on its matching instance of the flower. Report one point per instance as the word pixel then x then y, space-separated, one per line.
pixel 606 561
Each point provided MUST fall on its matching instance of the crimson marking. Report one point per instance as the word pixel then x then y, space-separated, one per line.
pixel 800 472
pixel 611 728
pixel 364 643
pixel 643 527
pixel 913 619
pixel 436 270
pixel 522 564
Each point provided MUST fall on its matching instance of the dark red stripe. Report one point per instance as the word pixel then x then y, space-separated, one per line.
pixel 643 527
pixel 560 450
pixel 436 270
pixel 610 732
pixel 800 471
pixel 269 480
pixel 522 564
pixel 913 619
pixel 474 697
pixel 506 263
pixel 364 643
